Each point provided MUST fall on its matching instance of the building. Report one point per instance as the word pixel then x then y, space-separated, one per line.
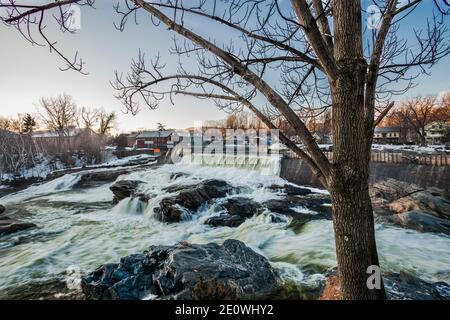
pixel 437 132
pixel 389 135
pixel 155 139
pixel 131 139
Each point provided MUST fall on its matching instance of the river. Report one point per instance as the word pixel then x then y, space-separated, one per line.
pixel 80 229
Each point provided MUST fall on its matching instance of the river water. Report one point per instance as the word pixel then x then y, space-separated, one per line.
pixel 80 229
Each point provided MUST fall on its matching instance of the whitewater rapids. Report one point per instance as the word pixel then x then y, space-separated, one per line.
pixel 80 229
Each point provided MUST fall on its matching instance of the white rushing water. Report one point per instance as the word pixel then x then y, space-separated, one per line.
pixel 77 228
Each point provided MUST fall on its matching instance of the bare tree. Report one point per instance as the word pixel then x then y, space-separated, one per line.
pixel 287 57
pixel 417 113
pixel 106 122
pixel 59 114
pixel 89 117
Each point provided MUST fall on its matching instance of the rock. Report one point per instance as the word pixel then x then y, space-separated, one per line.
pixel 243 207
pixel 293 190
pixel 278 206
pixel 186 271
pixel 176 175
pixel 2 209
pixel 420 221
pixel 332 289
pixel 226 220
pixel 404 286
pixel 410 206
pixel 171 209
pixel 92 178
pixel 237 211
pixel 383 192
pixel 8 225
pixel 399 286
pixel 287 207
pixel 124 189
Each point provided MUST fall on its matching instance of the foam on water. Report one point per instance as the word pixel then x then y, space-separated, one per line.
pixel 87 240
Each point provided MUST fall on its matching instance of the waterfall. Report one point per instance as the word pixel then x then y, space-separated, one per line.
pixel 265 165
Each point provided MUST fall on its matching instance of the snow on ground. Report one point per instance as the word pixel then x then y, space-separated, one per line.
pixel 44 168
pixel 389 147
pixel 411 148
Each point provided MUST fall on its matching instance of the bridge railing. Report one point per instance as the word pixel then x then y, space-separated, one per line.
pixel 403 157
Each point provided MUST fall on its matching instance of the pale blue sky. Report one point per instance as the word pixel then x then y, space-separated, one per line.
pixel 28 73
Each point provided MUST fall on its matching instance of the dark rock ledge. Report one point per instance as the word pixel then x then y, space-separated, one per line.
pixel 185 271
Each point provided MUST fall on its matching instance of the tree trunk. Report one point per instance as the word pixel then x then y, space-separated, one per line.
pixel 355 243
pixel 352 139
pixel 349 188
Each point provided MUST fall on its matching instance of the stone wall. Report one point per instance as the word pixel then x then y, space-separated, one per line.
pixel 296 171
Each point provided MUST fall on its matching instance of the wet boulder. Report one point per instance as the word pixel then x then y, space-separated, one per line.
pixel 190 198
pixel 398 285
pixel 124 189
pixel 243 207
pixel 8 225
pixel 94 178
pixel 237 210
pixel 186 271
pixel 2 209
pixel 226 220
pixel 170 211
pixel 291 189
pixel 279 206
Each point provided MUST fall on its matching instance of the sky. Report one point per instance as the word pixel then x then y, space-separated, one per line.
pixel 30 72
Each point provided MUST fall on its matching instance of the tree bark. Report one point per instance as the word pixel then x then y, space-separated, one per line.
pixel 354 230
pixel 349 188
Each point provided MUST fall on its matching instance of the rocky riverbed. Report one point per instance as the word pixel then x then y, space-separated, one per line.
pixel 180 231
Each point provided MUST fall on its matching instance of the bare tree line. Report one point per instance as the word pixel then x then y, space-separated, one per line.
pixel 23 146
pixel 417 113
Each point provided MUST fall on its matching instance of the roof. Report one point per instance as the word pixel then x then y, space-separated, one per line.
pixel 133 134
pixel 387 129
pixel 155 134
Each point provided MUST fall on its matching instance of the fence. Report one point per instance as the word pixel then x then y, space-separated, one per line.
pixel 404 157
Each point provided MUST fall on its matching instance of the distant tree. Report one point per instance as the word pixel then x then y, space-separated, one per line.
pixel 121 141
pixel 58 113
pixel 29 123
pixel 160 126
pixel 5 124
pixel 89 117
pixel 417 114
pixel 106 122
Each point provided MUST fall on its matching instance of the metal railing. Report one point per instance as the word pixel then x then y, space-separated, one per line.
pixel 403 157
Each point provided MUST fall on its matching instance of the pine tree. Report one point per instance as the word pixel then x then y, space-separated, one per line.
pixel 29 123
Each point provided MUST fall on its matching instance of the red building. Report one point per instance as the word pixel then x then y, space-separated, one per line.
pixel 154 139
